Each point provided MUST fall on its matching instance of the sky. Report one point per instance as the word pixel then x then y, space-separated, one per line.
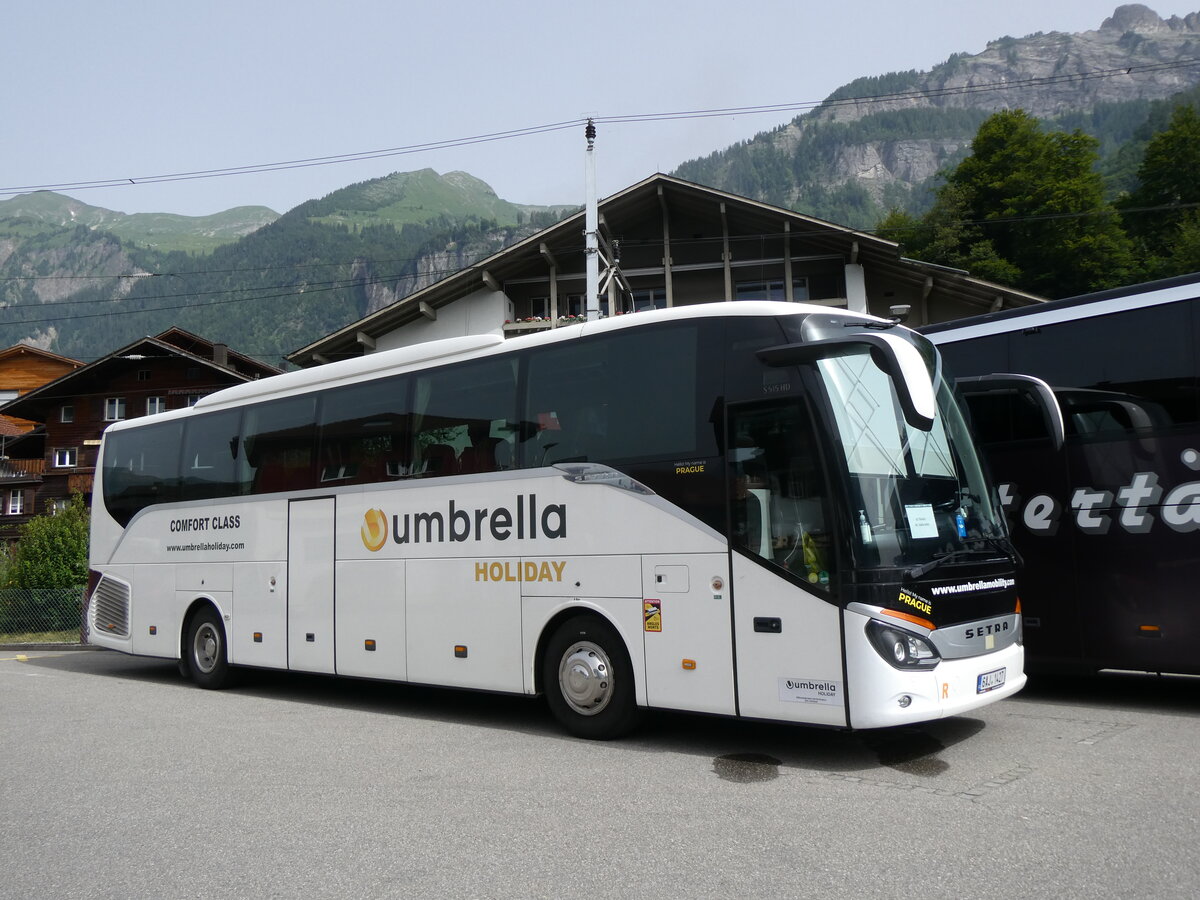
pixel 120 90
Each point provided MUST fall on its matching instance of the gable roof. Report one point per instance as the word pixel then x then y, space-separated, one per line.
pixel 35 404
pixel 564 241
pixel 29 350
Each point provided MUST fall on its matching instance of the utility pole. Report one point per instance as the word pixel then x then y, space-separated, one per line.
pixel 591 235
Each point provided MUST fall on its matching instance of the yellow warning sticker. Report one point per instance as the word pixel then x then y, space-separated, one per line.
pixel 652 611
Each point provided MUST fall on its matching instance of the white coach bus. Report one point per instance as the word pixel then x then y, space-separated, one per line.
pixel 765 510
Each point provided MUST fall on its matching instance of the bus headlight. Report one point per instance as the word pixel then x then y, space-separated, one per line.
pixel 901 648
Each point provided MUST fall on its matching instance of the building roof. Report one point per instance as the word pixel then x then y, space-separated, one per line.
pixel 36 404
pixel 30 350
pixel 564 241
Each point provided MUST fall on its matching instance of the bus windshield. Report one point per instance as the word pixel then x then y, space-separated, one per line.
pixel 915 497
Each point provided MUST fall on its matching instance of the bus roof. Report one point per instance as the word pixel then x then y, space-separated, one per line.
pixel 1154 293
pixel 470 346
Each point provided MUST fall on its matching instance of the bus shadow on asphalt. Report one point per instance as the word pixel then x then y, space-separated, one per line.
pixel 744 750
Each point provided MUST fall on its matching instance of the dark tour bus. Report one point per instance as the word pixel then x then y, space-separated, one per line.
pixel 1104 502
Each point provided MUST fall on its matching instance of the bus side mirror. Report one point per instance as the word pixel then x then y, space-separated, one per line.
pixel 1034 388
pixel 902 361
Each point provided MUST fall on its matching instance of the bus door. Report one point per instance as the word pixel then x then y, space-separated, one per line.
pixel 1133 570
pixel 310 585
pixel 787 629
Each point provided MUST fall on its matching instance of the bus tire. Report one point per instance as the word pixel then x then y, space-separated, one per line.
pixel 207 661
pixel 588 679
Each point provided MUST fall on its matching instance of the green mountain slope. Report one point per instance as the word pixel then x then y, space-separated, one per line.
pixel 410 198
pixel 160 231
pixel 82 291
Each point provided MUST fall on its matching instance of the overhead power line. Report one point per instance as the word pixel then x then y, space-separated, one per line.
pixel 627 119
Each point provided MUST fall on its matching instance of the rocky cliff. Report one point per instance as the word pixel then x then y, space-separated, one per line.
pixel 879 139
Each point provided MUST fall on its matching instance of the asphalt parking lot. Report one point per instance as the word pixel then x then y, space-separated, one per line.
pixel 122 780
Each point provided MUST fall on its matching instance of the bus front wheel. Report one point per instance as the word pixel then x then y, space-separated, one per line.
pixel 588 679
pixel 206 659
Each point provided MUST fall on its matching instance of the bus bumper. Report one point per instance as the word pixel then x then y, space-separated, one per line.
pixel 883 696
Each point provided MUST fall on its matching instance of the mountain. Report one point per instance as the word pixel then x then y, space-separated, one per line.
pixel 81 280
pixel 879 141
pixel 407 198
pixel 161 231
pixel 65 267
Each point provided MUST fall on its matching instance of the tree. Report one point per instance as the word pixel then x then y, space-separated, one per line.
pixel 52 551
pixel 1027 209
pixel 1160 207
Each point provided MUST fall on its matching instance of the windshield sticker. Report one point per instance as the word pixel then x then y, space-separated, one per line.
pixel 971 587
pixel 652 611
pixel 921 605
pixel 810 690
pixel 921 522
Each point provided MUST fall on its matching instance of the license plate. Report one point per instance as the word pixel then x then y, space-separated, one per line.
pixel 989 681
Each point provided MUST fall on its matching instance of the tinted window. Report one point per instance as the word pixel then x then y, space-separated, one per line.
pixel 141 467
pixel 1119 372
pixel 279 440
pixel 747 377
pixel 979 356
pixel 643 393
pixel 1002 416
pixel 465 418
pixel 210 457
pixel 366 433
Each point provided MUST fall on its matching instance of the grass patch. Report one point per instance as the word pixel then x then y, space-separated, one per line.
pixel 41 637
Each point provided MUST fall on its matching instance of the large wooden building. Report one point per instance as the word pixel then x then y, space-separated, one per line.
pixel 22 369
pixel 666 242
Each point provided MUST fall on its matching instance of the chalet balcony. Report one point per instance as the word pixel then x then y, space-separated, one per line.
pixel 25 470
pixel 80 481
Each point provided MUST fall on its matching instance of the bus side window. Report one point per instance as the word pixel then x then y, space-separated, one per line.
pixel 210 447
pixel 998 417
pixel 779 492
pixel 454 416
pixel 141 467
pixel 595 400
pixel 366 433
pixel 279 439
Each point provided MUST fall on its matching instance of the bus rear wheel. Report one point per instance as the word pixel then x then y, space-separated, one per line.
pixel 205 651
pixel 588 679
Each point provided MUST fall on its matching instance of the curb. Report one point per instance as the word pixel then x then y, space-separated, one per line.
pixel 47 647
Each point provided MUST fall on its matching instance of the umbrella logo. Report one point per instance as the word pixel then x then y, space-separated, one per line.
pixel 374 530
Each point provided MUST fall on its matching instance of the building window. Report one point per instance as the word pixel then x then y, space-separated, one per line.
pixel 66 415
pixel 770 290
pixel 16 503
pixel 143 374
pixel 650 298
pixel 59 505
pixel 193 399
pixel 66 457
pixel 155 405
pixel 114 409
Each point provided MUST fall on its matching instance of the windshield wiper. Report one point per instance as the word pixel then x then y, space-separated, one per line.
pixel 938 559
pixel 1003 544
